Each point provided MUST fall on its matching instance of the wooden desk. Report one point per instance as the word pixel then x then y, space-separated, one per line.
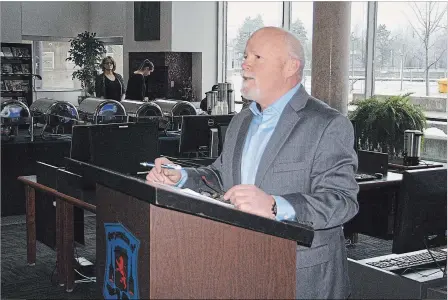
pixel 64 227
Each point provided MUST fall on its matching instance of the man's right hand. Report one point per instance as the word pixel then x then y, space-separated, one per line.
pixel 163 175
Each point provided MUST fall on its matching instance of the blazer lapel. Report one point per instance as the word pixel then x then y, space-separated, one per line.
pixel 239 147
pixel 287 122
pixel 285 125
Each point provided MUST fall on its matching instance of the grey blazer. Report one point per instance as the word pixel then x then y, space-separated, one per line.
pixel 311 162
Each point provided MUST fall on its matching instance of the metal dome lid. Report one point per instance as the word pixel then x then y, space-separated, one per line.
pixel 63 110
pixel 96 110
pixel 175 108
pixel 184 108
pixel 101 107
pixel 142 109
pixel 13 110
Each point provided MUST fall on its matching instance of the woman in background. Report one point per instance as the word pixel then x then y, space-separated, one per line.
pixel 137 89
pixel 109 85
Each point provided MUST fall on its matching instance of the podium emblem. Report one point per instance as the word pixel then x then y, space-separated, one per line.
pixel 120 270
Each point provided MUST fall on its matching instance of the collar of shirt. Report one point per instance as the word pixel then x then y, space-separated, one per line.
pixel 277 107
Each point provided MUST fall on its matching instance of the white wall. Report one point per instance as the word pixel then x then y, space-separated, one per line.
pixel 195 30
pixel 129 45
pixel 11 22
pixel 107 18
pixel 185 27
pixel 54 19
pixel 61 19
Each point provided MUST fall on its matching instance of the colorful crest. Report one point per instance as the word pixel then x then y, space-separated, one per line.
pixel 120 270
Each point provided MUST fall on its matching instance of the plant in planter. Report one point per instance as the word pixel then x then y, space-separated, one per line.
pixel 86 53
pixel 380 124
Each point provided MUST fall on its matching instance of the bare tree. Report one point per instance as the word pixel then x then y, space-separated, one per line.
pixel 382 45
pixel 426 21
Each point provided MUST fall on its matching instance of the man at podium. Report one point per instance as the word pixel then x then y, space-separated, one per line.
pixel 288 157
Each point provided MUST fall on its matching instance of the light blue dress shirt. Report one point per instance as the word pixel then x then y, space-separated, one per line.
pixel 260 131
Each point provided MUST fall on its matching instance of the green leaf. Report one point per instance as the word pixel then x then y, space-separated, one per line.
pixel 381 123
pixel 86 53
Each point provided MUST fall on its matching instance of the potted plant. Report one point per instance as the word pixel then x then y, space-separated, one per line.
pixel 86 53
pixel 380 123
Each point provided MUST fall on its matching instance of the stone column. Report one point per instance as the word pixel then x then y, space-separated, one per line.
pixel 330 53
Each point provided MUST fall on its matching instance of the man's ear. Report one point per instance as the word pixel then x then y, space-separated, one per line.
pixel 292 67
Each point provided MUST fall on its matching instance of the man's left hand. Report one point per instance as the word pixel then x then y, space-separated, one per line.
pixel 250 199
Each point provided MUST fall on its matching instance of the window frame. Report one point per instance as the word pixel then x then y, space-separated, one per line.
pixel 37 50
pixel 222 33
pixel 286 24
pixel 372 17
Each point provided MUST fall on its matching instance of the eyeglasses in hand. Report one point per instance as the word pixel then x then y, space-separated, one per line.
pixel 217 195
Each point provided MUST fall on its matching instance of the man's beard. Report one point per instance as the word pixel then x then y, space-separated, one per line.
pixel 252 93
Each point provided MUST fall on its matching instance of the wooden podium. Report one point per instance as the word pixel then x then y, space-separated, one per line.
pixel 158 244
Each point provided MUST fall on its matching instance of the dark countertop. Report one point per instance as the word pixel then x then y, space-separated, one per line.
pixel 396 165
pixel 23 139
pixel 390 180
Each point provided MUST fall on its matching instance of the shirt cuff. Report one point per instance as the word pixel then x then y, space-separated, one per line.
pixel 285 211
pixel 183 179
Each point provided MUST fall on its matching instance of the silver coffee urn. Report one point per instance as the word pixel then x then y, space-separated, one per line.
pixel 211 100
pixel 412 145
pixel 221 107
pixel 221 101
pixel 230 98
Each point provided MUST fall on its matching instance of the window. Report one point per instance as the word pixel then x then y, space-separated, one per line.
pixel 56 71
pixel 302 28
pixel 411 55
pixel 357 58
pixel 410 48
pixel 407 56
pixel 243 18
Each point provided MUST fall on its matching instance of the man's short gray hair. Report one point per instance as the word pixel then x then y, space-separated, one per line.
pixel 295 50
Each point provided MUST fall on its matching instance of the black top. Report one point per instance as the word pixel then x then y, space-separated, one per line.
pixel 113 89
pixel 100 85
pixel 136 89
